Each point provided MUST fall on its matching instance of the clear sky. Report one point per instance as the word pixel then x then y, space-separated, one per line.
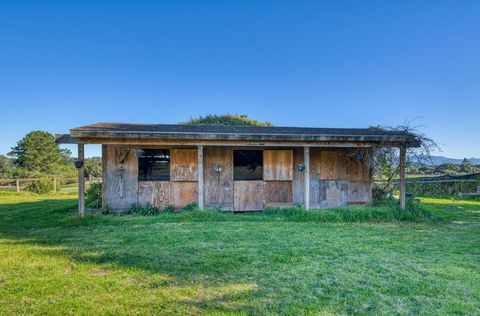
pixel 294 63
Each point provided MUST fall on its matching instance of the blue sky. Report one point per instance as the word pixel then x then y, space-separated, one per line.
pixel 296 63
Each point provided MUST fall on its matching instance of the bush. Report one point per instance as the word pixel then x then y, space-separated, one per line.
pixel 106 210
pixel 445 189
pixel 146 210
pixel 379 196
pixel 169 209
pixel 190 207
pixel 93 196
pixel 149 210
pixel 39 187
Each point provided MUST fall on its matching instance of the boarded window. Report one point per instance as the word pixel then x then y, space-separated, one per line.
pixel 154 165
pixel 247 165
pixel 278 164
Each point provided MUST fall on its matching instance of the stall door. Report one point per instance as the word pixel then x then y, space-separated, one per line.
pixel 278 177
pixel 248 180
pixel 248 196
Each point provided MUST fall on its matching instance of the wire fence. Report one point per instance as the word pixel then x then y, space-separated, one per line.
pixel 447 186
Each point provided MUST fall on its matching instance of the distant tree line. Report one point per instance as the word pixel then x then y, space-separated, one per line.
pixel 37 156
pixel 465 167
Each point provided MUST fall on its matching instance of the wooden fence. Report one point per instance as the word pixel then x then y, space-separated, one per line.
pixel 20 184
pixel 440 186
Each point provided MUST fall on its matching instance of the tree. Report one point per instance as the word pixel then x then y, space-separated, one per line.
pixel 37 153
pixel 385 159
pixel 226 119
pixel 6 167
pixel 93 167
pixel 466 166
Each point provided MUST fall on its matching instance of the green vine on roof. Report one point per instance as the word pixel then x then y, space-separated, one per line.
pixel 225 119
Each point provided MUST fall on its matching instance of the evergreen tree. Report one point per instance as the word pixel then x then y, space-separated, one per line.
pixel 37 153
pixel 6 167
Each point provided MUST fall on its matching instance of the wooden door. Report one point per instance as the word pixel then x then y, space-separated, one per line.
pixel 248 195
pixel 278 177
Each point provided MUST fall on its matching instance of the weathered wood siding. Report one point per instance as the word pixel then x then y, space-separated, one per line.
pixel 336 180
pixel 332 165
pixel 184 193
pixel 277 165
pixel 359 192
pixel 358 170
pixel 121 180
pixel 277 192
pixel 328 178
pixel 218 189
pixel 298 177
pixel 183 165
pixel 156 193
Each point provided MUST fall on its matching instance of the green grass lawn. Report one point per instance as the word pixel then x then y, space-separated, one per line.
pixel 52 262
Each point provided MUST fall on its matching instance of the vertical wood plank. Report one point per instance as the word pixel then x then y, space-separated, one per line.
pixel 306 172
pixel 200 176
pixel 81 181
pixel 54 184
pixel 17 184
pixel 402 178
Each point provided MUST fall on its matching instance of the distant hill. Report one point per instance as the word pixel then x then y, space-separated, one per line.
pixel 438 160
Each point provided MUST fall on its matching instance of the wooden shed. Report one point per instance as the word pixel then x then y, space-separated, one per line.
pixel 234 168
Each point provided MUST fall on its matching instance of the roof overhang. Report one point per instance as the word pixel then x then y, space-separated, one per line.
pixel 115 133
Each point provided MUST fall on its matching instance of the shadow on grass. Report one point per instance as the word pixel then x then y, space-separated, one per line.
pixel 236 260
pixel 139 243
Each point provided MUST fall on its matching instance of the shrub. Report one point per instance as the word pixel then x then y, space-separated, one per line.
pixel 39 187
pixel 149 210
pixel 379 196
pixel 106 210
pixel 169 209
pixel 190 207
pixel 134 209
pixel 445 189
pixel 146 210
pixel 93 195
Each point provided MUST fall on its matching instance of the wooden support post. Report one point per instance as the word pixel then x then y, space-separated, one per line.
pixel 104 175
pixel 306 174
pixel 200 176
pixel 81 181
pixel 54 184
pixel 402 178
pixel 17 184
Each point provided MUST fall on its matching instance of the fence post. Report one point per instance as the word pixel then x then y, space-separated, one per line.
pixel 17 183
pixel 55 185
